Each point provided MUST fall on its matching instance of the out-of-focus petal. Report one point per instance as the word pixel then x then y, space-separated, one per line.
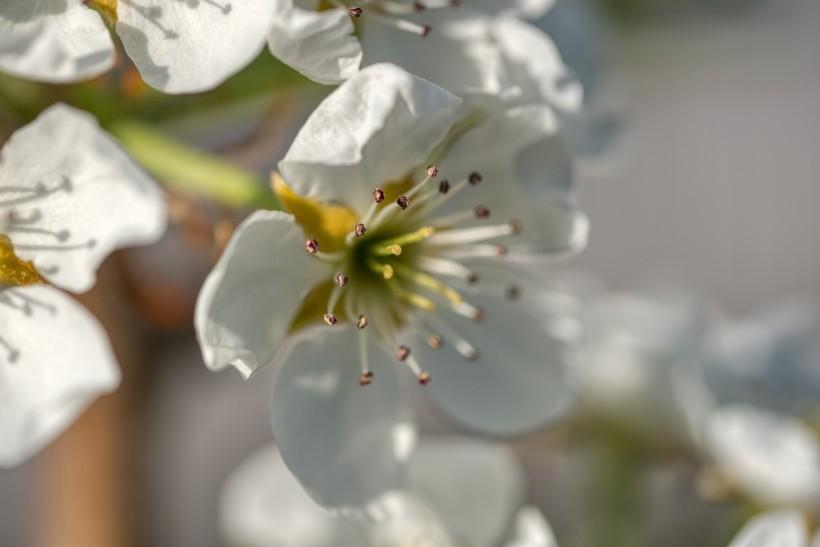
pixel 772 529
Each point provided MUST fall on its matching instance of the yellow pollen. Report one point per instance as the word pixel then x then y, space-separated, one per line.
pixel 388 272
pixel 13 270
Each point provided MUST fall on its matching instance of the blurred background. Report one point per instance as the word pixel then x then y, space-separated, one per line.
pixel 701 168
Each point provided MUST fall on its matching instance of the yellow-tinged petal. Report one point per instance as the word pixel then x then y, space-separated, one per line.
pixel 107 7
pixel 13 270
pixel 327 223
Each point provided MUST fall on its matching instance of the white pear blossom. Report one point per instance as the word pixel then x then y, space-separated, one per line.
pixel 179 46
pixel 469 48
pixel 458 494
pixel 641 365
pixel 386 262
pixel 772 458
pixel 775 529
pixel 68 197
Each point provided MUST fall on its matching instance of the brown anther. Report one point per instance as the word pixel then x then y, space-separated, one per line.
pixel 500 250
pixel 472 356
pixel 365 378
pixel 402 353
pixel 473 278
pixel 455 3
pixel 341 279
pixel 432 171
pixel 359 230
pixel 479 315
pixel 435 341
pixel 475 178
pixel 378 195
pixel 513 292
pixel 444 186
pixel 330 319
pixel 403 202
pixel 481 212
pixel 516 227
pixel 355 11
pixel 361 322
pixel 425 30
pixel 418 6
pixel 424 378
pixel 312 246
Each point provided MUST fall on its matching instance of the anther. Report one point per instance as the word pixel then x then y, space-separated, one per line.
pixel 425 30
pixel 403 202
pixel 479 315
pixel 475 178
pixel 444 186
pixel 355 11
pixel 361 322
pixel 516 227
pixel 513 292
pixel 432 171
pixel 365 378
pixel 435 341
pixel 424 378
pixel 471 355
pixel 330 319
pixel 481 212
pixel 312 246
pixel 394 249
pixel 418 6
pixel 378 195
pixel 359 230
pixel 341 279
pixel 473 278
pixel 402 353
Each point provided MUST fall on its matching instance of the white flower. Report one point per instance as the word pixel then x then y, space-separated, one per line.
pixel 68 197
pixel 775 529
pixel 641 365
pixel 458 493
pixel 478 48
pixel 178 47
pixel 772 458
pixel 428 271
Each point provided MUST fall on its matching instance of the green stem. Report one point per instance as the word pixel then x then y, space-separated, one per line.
pixel 192 172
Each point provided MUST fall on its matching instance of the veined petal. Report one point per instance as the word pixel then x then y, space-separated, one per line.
pixel 459 54
pixel 192 46
pixel 473 487
pixel 263 505
pixel 54 360
pixel 252 295
pixel 773 529
pixel 347 444
pixel 74 196
pixel 520 379
pixel 527 175
pixel 319 44
pixel 534 65
pixel 532 530
pixel 55 42
pixel 374 128
pixel 773 458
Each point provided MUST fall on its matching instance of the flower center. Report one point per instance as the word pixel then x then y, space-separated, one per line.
pixel 400 266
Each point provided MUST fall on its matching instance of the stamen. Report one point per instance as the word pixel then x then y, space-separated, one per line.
pixel 341 279
pixel 366 376
pixel 444 186
pixel 387 250
pixel 414 299
pixel 475 178
pixel 378 195
pixel 361 322
pixel 475 251
pixel 386 270
pixel 354 11
pixel 435 341
pixel 513 292
pixel 462 346
pixel 359 230
pixel 471 312
pixel 403 202
pixel 474 235
pixel 442 266
pixel 428 282
pixel 312 246
pixel 402 353
pixel 330 319
pixel 409 238
pixel 479 212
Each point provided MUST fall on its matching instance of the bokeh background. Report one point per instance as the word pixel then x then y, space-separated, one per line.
pixel 702 170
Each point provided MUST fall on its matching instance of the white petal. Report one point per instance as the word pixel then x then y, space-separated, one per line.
pixel 54 360
pixel 475 488
pixel 56 42
pixel 319 44
pixel 773 458
pixel 251 296
pixel 263 505
pixel 194 45
pixel 528 176
pixel 76 197
pixel 534 65
pixel 459 54
pixel 772 529
pixel 407 520
pixel 520 380
pixel 531 9
pixel 532 530
pixel 346 444
pixel 374 128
